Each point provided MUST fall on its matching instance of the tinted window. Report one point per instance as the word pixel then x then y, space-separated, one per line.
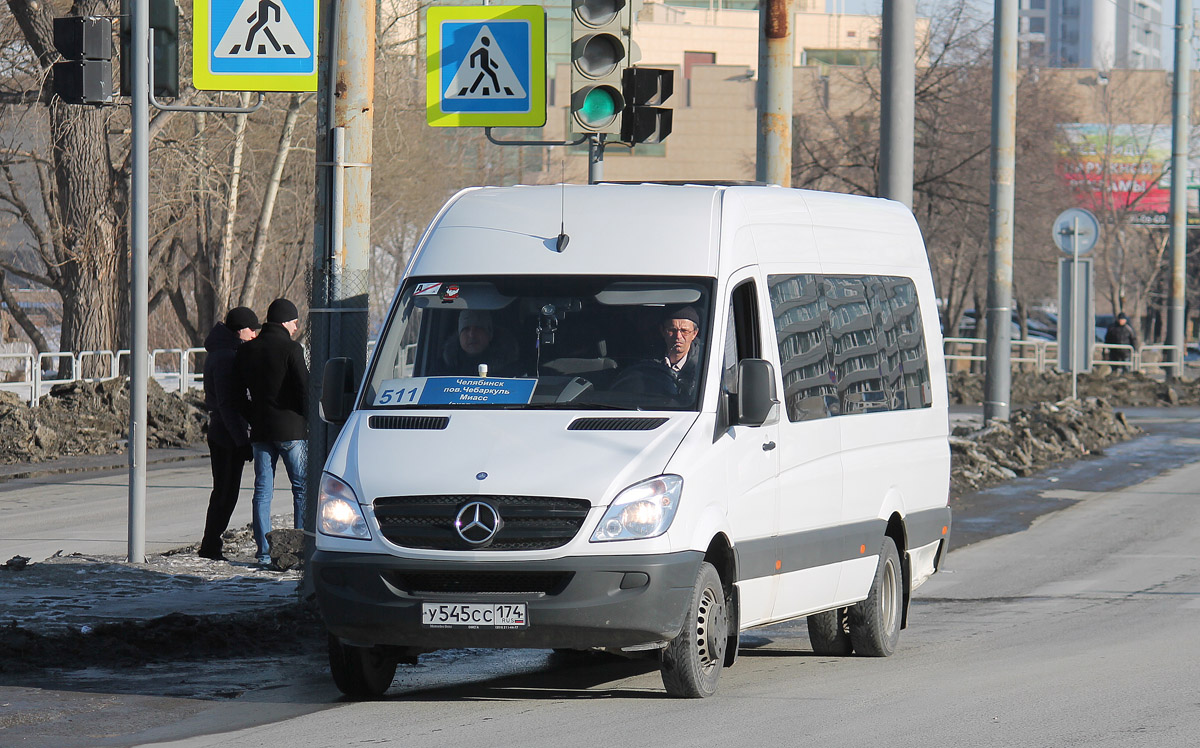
pixel 801 328
pixel 856 356
pixel 849 344
pixel 918 392
pixel 888 338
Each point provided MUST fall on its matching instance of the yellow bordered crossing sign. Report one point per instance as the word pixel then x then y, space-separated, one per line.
pixel 254 45
pixel 486 66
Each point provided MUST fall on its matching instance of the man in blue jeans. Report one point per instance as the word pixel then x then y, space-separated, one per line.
pixel 272 383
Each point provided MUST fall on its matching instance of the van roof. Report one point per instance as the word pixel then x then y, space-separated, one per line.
pixel 621 229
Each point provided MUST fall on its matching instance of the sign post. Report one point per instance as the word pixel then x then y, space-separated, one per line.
pixel 1075 232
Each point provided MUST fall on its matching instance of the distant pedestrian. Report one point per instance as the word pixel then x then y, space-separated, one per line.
pixel 228 432
pixel 1120 333
pixel 273 384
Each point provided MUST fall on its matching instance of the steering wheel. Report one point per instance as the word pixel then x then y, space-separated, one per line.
pixel 647 378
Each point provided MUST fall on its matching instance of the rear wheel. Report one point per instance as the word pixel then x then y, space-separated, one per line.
pixel 875 622
pixel 360 672
pixel 691 663
pixel 829 632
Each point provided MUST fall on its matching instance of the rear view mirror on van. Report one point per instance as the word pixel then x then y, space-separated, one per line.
pixel 757 403
pixel 337 390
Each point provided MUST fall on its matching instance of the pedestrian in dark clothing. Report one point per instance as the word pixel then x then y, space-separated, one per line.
pixel 228 432
pixel 1120 333
pixel 272 382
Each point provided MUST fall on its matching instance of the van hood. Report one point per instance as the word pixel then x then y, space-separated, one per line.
pixel 501 452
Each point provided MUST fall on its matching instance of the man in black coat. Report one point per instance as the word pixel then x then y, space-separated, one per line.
pixel 272 381
pixel 1120 333
pixel 228 432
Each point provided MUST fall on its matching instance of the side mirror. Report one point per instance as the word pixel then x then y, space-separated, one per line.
pixel 757 404
pixel 338 387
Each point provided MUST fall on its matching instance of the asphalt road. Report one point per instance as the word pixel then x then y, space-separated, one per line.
pixel 1074 627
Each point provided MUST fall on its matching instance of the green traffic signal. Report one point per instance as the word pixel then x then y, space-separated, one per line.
pixel 599 107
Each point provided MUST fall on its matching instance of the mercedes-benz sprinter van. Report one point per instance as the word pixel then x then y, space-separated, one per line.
pixel 643 419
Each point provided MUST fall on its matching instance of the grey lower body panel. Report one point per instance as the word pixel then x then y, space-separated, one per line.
pixel 602 601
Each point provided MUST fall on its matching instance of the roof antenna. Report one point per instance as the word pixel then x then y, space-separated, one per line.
pixel 563 239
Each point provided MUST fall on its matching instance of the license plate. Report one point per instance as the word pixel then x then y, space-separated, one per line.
pixel 474 615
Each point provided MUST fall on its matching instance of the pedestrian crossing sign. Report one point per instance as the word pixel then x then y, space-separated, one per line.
pixel 254 45
pixel 486 66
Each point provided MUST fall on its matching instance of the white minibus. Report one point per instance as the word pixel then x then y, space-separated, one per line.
pixel 641 419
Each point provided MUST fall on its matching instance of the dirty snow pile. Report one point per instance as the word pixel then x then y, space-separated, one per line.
pixel 1130 389
pixel 1032 439
pixel 92 418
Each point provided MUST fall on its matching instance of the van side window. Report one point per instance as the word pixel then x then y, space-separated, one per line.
pixel 742 335
pixel 918 391
pixel 855 349
pixel 801 329
pixel 888 337
pixel 849 344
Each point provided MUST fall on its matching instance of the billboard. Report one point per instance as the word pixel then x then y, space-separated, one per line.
pixel 1122 169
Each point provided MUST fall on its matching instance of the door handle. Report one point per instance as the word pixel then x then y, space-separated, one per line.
pixel 767 447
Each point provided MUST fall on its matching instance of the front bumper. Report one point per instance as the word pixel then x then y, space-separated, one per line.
pixel 603 601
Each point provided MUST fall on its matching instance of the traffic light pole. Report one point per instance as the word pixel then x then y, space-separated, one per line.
pixel 596 158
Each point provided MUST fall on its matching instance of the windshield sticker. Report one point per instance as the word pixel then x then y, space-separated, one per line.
pixel 450 293
pixel 427 289
pixel 455 391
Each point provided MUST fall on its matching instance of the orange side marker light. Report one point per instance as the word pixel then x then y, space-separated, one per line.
pixel 778 564
pixel 862 549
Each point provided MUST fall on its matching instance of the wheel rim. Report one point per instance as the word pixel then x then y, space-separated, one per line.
pixel 887 597
pixel 710 632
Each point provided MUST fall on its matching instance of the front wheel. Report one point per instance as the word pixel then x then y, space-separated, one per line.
pixel 360 672
pixel 875 622
pixel 691 663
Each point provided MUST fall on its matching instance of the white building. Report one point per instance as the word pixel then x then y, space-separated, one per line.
pixel 1101 34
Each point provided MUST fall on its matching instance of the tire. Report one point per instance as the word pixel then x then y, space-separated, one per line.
pixel 360 672
pixel 875 622
pixel 829 633
pixel 692 662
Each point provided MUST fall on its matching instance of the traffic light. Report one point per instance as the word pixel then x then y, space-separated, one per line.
pixel 601 49
pixel 164 47
pixel 86 75
pixel 645 120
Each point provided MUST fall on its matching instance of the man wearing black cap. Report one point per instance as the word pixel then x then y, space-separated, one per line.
pixel 228 432
pixel 272 381
pixel 1120 333
pixel 679 330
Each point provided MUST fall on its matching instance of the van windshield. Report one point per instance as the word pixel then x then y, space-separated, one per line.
pixel 572 342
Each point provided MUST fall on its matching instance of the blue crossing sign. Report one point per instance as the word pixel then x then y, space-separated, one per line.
pixel 255 45
pixel 486 66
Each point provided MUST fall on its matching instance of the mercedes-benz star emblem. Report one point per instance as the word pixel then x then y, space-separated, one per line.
pixel 477 523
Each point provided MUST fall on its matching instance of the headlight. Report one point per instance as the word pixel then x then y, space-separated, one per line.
pixel 338 513
pixel 644 510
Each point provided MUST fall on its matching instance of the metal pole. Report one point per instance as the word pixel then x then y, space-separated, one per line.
pixel 896 105
pixel 338 309
pixel 596 158
pixel 998 380
pixel 776 56
pixel 1179 176
pixel 1075 305
pixel 139 235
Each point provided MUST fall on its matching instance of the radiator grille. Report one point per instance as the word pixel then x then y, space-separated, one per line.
pixel 530 523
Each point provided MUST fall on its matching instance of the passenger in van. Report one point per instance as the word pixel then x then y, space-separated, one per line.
pixel 478 342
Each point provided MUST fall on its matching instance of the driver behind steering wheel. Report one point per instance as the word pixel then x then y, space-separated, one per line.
pixel 679 329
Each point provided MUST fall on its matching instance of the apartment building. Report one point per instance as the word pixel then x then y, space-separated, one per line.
pixel 1101 34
